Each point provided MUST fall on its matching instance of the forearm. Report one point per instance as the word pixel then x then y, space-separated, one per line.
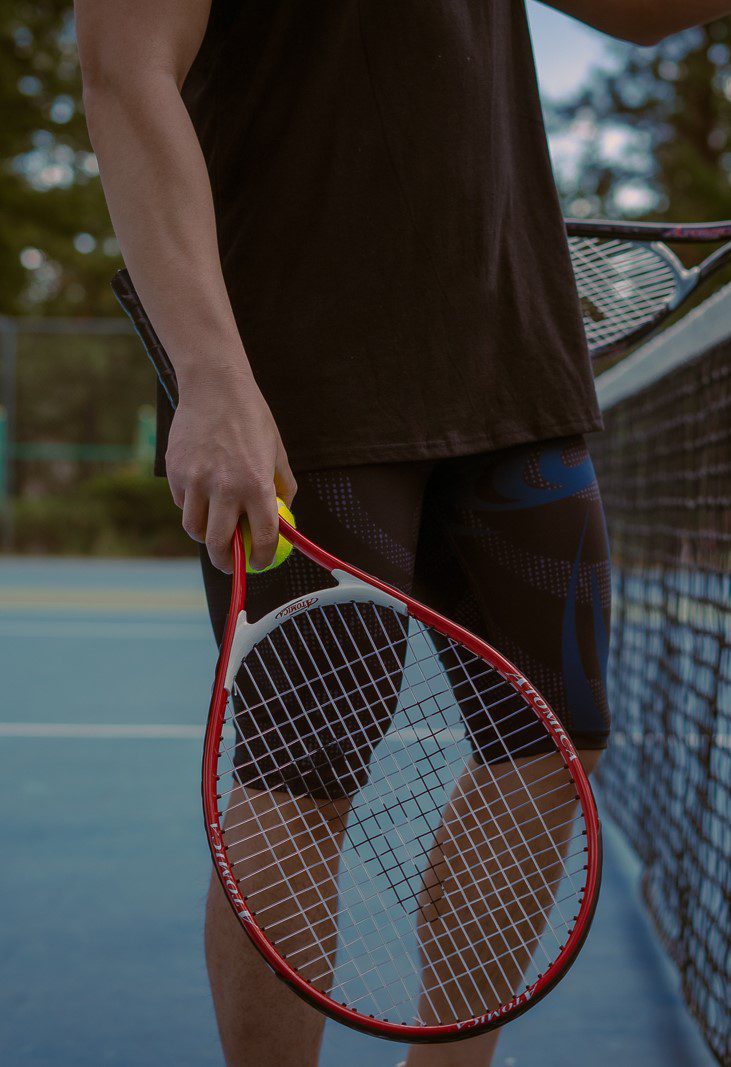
pixel 644 22
pixel 159 197
pixel 225 457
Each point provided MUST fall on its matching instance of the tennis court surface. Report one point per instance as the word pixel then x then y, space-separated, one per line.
pixel 106 670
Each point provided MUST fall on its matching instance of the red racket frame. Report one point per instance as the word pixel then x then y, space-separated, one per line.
pixel 214 833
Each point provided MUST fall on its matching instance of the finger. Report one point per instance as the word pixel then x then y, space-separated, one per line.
pixel 263 519
pixel 177 491
pixel 284 480
pixel 195 514
pixel 223 517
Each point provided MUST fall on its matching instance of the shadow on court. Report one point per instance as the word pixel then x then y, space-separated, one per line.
pixel 106 670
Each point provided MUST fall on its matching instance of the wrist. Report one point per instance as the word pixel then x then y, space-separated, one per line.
pixel 223 374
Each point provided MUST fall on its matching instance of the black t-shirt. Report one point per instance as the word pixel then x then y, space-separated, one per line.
pixel 388 225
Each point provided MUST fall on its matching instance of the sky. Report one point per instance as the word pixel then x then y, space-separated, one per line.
pixel 556 36
pixel 565 51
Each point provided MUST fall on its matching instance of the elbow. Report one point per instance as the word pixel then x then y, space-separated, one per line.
pixel 100 96
pixel 102 81
pixel 106 87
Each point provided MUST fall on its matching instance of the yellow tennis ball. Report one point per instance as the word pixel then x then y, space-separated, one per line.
pixel 283 547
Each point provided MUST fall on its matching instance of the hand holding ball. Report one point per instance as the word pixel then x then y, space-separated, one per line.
pixel 283 547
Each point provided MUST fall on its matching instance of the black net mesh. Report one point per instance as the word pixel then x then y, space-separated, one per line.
pixel 664 466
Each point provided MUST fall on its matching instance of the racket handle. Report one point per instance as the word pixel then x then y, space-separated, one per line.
pixel 131 304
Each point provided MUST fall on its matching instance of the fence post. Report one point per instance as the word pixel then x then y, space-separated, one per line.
pixel 145 442
pixel 8 358
pixel 3 458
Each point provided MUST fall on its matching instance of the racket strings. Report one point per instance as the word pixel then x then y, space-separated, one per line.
pixel 509 810
pixel 363 665
pixel 624 268
pixel 498 956
pixel 261 912
pixel 267 737
pixel 367 632
pixel 316 733
pixel 288 687
pixel 446 732
pixel 325 974
pixel 622 286
pixel 265 852
pixel 505 927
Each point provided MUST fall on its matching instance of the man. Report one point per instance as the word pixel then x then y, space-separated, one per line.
pixel 340 217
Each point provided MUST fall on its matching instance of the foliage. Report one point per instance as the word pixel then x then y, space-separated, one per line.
pixel 76 387
pixel 650 134
pixel 52 208
pixel 122 513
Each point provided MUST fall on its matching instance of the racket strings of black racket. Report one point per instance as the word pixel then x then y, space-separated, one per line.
pixel 622 286
pixel 332 680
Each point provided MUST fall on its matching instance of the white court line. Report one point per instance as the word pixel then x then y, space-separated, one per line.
pixel 183 732
pixel 125 731
pixel 158 731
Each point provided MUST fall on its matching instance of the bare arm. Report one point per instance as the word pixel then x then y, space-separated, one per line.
pixel 225 456
pixel 643 22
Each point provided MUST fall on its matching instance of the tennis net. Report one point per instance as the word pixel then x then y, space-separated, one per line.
pixel 664 466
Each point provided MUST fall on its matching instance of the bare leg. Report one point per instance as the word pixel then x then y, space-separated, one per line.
pixel 472 810
pixel 272 839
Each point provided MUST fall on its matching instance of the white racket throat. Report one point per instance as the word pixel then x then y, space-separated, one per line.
pixel 348 590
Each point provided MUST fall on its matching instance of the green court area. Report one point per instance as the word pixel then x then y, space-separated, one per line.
pixel 106 670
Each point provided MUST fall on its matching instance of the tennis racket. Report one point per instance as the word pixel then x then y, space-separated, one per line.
pixel 629 282
pixel 395 881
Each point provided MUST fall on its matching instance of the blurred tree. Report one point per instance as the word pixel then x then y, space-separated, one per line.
pixel 649 136
pixel 57 248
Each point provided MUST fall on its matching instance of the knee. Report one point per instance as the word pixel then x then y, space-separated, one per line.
pixel 590 758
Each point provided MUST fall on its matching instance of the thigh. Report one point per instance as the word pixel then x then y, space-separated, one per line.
pixel 513 546
pixel 369 516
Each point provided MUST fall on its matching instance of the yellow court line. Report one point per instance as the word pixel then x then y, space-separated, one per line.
pixel 113 731
pixel 112 598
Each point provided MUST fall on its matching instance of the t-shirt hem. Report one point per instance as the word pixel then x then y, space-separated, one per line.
pixel 437 448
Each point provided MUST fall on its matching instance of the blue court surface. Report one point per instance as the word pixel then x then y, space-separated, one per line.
pixel 106 670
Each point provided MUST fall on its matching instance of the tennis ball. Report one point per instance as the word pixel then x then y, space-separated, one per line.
pixel 283 547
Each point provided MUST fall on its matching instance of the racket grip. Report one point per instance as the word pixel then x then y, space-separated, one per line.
pixel 131 304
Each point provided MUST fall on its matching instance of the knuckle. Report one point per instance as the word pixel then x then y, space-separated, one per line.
pixel 223 486
pixel 269 531
pixel 217 542
pixel 193 529
pixel 219 559
pixel 260 486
